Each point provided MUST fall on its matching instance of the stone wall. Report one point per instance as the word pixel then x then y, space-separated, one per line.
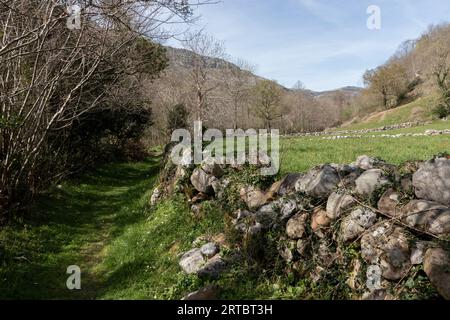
pixel 374 226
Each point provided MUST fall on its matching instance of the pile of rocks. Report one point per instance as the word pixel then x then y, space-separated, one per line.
pixel 396 219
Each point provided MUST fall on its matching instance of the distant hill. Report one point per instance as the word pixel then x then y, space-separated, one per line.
pixel 347 91
pixel 182 58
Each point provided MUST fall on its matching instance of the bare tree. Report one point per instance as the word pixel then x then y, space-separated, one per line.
pixel 237 84
pixel 267 95
pixel 205 55
pixel 50 75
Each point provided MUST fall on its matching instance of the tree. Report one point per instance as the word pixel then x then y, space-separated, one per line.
pixel 298 86
pixel 389 81
pixel 52 78
pixel 205 52
pixel 441 72
pixel 237 85
pixel 267 105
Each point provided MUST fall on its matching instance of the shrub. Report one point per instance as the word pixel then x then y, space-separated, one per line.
pixel 441 111
pixel 177 118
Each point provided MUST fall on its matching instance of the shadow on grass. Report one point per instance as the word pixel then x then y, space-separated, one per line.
pixel 72 226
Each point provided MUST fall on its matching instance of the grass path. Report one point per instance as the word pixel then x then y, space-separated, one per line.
pixel 73 225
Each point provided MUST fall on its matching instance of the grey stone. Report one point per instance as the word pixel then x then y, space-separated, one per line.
pixel 364 217
pixel 253 197
pixel 375 295
pixel 370 181
pixel 156 196
pixel 436 265
pixel 432 181
pixel 388 247
pixel 287 209
pixel 389 203
pixel 267 215
pixel 219 187
pixel 320 182
pixel 202 182
pixel 213 268
pixel 418 250
pixel 192 261
pixel 296 226
pixel 337 203
pixel 356 223
pixel 288 184
pixel 429 216
pixel 350 229
pixel 209 249
pixel 213 167
pixel 365 162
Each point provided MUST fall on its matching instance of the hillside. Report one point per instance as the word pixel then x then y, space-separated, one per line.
pixel 347 91
pixel 418 110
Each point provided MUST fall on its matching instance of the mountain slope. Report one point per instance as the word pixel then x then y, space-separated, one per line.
pixel 418 110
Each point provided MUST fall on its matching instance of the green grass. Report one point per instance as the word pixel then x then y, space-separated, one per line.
pixel 143 262
pixel 73 226
pixel 300 154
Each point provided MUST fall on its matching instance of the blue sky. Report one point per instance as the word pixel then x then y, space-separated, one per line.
pixel 323 43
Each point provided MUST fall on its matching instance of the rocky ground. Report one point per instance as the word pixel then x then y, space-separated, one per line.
pixel 369 228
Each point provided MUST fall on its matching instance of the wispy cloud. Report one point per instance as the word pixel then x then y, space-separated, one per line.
pixel 324 12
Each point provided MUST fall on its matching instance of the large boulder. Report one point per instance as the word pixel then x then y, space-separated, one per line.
pixel 202 181
pixel 437 267
pixel 320 182
pixel 370 181
pixel 432 181
pixel 429 216
pixel 296 226
pixel 287 185
pixel 192 261
pixel 337 203
pixel 387 247
pixel 253 197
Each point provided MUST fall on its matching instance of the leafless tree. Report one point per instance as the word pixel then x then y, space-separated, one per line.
pixel 49 73
pixel 238 82
pixel 206 53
